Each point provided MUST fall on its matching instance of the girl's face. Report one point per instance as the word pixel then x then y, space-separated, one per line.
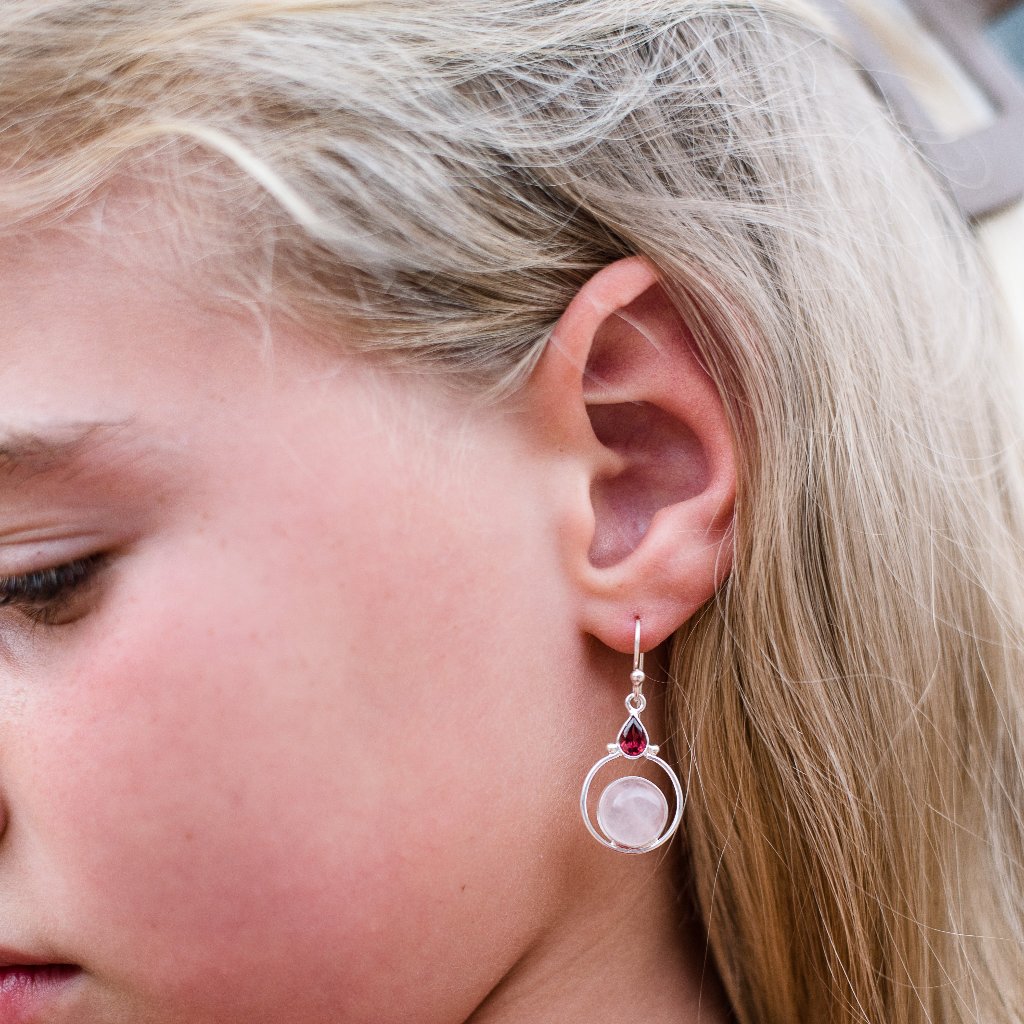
pixel 289 750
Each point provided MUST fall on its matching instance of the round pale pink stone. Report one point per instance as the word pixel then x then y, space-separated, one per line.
pixel 632 811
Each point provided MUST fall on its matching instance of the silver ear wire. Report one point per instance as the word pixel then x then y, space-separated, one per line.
pixel 637 676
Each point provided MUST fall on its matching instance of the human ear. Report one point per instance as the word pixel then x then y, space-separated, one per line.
pixel 645 473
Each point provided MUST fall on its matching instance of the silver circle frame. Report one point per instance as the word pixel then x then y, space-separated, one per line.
pixel 654 843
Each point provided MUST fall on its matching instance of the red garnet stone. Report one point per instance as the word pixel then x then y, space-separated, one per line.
pixel 633 738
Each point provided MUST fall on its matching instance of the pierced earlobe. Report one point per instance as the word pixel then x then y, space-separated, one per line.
pixel 642 456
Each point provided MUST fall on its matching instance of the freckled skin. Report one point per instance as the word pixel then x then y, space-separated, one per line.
pixel 309 748
pixel 277 771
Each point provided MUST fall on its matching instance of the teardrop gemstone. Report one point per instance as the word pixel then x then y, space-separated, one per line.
pixel 633 738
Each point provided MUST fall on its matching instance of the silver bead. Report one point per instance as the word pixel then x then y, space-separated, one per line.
pixel 637 676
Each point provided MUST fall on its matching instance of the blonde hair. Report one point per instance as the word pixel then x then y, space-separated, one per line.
pixel 848 708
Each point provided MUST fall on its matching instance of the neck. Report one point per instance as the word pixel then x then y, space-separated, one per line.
pixel 622 954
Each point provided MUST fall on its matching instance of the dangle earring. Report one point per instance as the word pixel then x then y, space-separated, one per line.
pixel 632 811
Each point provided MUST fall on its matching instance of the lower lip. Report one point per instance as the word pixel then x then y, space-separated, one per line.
pixel 25 991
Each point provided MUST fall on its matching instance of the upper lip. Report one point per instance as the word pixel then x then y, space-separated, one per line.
pixel 10 957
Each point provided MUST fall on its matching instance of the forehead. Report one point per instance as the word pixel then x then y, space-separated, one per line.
pixel 114 318
pixel 174 223
pixel 101 327
pixel 77 293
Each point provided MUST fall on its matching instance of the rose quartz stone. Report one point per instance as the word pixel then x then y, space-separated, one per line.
pixel 632 811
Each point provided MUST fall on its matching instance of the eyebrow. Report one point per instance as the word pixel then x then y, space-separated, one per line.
pixel 55 446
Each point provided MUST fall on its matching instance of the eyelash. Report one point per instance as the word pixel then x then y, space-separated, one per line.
pixel 44 595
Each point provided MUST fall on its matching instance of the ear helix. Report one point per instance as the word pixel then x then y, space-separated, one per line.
pixel 632 811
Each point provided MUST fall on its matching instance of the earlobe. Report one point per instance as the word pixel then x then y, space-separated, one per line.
pixel 648 425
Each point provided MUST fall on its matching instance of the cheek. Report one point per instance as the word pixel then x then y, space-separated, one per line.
pixel 314 760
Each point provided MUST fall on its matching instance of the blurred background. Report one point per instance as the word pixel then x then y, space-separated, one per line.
pixel 953 71
pixel 1007 32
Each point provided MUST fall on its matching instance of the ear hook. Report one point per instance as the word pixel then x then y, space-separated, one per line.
pixel 637 676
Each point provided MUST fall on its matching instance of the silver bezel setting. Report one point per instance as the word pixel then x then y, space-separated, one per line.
pixel 677 788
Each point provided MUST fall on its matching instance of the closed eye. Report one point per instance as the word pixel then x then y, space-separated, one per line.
pixel 48 596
